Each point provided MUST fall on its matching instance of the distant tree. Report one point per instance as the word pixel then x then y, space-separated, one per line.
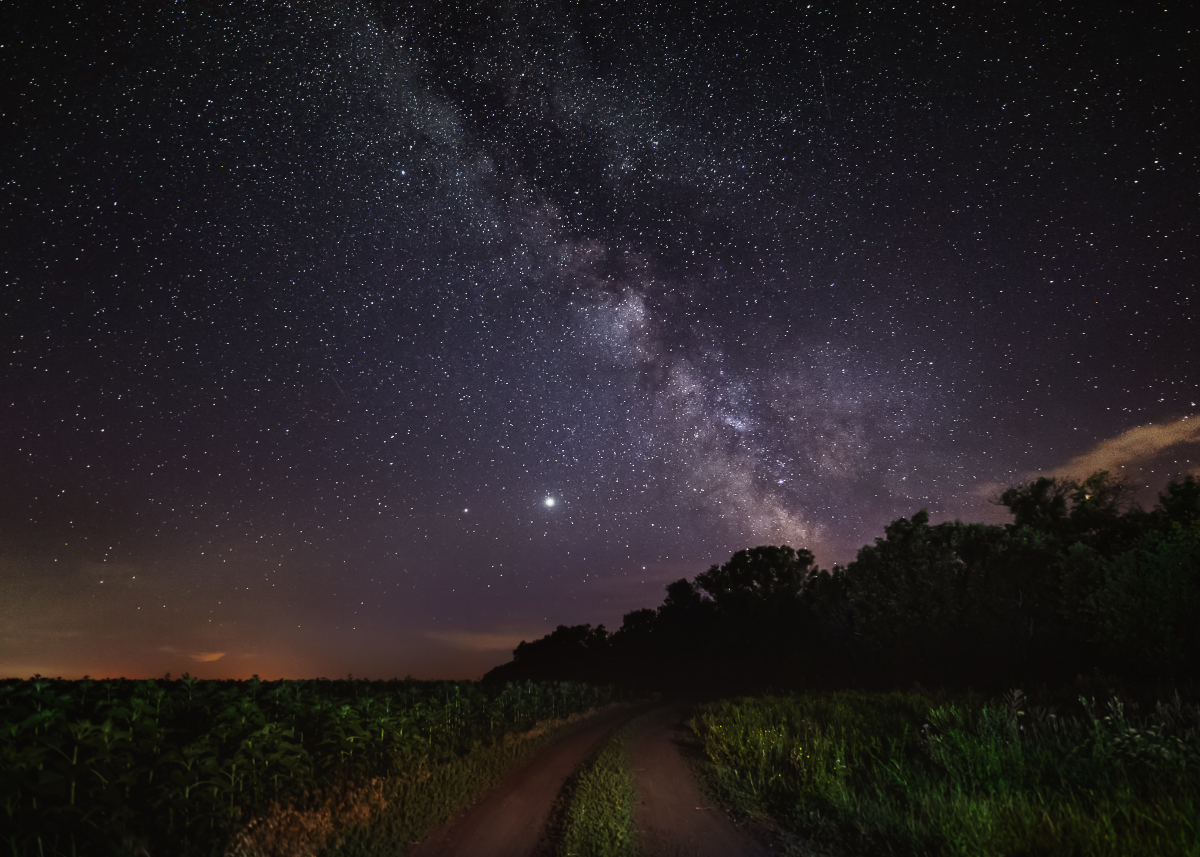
pixel 1041 505
pixel 1104 515
pixel 685 623
pixel 1137 606
pixel 568 652
pixel 756 602
pixel 1146 605
pixel 1021 621
pixel 638 639
pixel 829 644
pixel 828 596
pixel 1098 512
pixel 919 595
pixel 763 574
pixel 564 643
pixel 1179 503
pixel 682 598
pixel 638 624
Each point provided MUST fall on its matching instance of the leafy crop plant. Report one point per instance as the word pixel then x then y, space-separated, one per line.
pixel 190 767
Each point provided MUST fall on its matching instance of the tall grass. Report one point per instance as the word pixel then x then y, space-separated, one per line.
pixel 903 773
pixel 179 767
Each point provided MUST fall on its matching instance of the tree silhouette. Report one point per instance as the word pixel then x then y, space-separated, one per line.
pixel 1082 579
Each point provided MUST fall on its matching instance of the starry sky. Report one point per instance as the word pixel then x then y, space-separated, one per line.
pixel 371 338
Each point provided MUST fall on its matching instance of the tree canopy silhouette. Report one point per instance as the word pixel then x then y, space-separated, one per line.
pixel 1082 579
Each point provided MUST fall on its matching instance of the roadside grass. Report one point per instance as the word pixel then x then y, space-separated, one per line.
pixel 597 817
pixel 914 774
pixel 205 768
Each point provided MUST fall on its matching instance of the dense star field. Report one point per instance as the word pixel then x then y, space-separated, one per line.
pixel 373 338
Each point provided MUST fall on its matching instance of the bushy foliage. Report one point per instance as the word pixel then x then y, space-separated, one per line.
pixel 923 588
pixel 1141 606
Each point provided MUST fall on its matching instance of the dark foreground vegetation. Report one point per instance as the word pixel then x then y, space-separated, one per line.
pixel 920 774
pixel 1081 583
pixel 190 767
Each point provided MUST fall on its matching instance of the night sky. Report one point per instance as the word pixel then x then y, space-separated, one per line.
pixel 373 338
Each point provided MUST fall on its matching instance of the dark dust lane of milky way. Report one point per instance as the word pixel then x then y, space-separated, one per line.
pixel 371 338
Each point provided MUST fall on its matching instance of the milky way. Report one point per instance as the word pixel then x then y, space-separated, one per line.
pixel 313 310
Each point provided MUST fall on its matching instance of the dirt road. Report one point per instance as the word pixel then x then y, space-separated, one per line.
pixel 511 820
pixel 673 817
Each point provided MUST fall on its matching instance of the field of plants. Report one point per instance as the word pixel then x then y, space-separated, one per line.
pixel 190 767
pixel 910 773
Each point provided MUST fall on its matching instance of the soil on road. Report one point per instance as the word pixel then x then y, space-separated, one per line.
pixel 673 817
pixel 511 820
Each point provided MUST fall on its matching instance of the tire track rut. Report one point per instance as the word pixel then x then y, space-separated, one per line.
pixel 673 817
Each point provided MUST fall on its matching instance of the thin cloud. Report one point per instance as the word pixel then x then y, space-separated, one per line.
pixel 208 657
pixel 477 642
pixel 1133 446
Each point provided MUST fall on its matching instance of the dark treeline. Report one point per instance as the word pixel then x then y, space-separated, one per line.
pixel 1082 582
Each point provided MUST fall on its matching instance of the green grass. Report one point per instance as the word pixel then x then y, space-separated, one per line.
pixel 905 773
pixel 597 820
pixel 182 767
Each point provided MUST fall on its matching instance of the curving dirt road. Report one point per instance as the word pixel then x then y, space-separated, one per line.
pixel 673 817
pixel 510 821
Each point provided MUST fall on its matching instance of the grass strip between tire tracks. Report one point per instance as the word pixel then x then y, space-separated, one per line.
pixel 597 819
